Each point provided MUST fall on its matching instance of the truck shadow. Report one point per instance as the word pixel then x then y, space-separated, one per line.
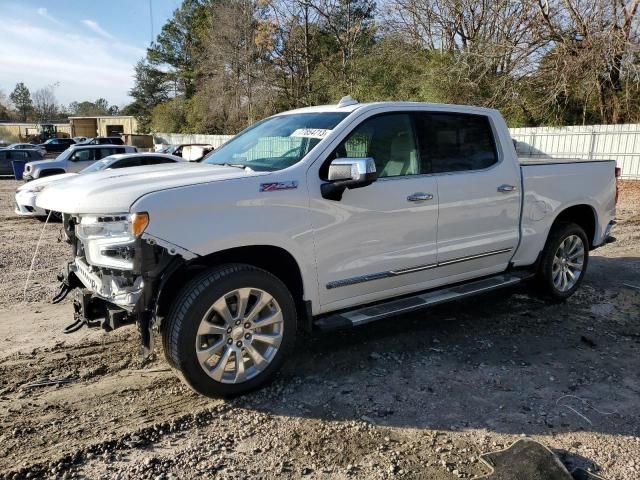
pixel 505 362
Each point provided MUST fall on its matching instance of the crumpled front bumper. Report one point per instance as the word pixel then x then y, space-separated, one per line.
pixel 112 288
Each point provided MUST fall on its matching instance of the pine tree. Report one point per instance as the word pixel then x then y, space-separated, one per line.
pixel 21 98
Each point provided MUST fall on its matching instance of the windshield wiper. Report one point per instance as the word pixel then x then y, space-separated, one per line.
pixel 236 165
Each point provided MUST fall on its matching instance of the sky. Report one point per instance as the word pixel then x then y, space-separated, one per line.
pixel 87 48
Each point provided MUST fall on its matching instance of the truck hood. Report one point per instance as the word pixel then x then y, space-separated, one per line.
pixel 114 191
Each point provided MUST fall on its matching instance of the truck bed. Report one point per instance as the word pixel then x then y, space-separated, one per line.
pixel 548 183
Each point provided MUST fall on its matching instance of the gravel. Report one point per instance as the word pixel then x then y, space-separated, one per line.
pixel 418 396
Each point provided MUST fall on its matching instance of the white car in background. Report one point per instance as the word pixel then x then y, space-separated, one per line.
pixel 74 159
pixel 27 193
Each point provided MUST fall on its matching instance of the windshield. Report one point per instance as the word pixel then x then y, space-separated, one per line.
pixel 65 154
pixel 276 142
pixel 99 165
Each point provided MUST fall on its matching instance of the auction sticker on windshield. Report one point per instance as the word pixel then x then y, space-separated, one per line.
pixel 310 132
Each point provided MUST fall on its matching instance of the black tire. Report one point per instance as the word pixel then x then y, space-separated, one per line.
pixel 191 305
pixel 558 234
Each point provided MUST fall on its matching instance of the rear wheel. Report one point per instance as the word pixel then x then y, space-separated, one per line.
pixel 564 261
pixel 230 330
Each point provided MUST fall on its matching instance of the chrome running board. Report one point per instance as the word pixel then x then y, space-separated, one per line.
pixel 372 313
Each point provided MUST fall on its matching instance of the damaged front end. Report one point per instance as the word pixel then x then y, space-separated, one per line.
pixel 116 273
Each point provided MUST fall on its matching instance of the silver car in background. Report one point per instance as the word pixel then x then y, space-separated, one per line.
pixel 73 159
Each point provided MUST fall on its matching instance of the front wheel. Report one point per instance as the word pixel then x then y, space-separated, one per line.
pixel 230 330
pixel 564 261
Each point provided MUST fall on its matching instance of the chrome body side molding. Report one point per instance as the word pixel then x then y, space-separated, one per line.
pixel 404 271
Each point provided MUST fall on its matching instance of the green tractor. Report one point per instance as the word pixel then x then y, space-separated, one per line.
pixel 43 132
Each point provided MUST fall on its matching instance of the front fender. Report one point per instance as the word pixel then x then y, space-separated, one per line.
pixel 203 219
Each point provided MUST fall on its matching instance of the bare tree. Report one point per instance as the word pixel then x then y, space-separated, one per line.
pixel 294 55
pixel 594 50
pixel 45 104
pixel 350 23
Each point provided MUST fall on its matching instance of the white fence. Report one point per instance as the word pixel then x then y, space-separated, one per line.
pixel 179 138
pixel 597 142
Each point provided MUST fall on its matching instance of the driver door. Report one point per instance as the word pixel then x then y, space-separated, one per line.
pixel 81 159
pixel 380 240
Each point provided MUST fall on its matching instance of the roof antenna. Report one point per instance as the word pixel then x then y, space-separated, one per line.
pixel 346 101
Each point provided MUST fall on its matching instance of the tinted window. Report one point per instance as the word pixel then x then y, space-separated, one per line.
pixel 18 155
pixel 82 155
pixel 453 142
pixel 105 152
pixel 156 160
pixel 128 162
pixel 389 139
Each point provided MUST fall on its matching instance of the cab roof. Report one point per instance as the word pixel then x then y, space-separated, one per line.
pixel 348 105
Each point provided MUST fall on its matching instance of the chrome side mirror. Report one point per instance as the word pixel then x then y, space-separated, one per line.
pixel 348 173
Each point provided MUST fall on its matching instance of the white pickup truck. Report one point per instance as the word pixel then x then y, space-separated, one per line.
pixel 321 218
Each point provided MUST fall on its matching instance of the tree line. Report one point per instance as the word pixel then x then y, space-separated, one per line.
pixel 219 65
pixel 42 106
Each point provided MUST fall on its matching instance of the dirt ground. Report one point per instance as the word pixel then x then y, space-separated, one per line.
pixel 416 397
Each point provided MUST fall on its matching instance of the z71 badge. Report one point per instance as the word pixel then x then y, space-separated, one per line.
pixel 271 187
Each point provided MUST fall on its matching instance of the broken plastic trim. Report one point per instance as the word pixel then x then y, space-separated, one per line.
pixel 171 248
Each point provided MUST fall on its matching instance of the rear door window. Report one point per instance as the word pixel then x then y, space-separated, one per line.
pixel 106 151
pixel 456 142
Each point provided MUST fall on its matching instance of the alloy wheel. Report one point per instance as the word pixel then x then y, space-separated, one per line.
pixel 568 263
pixel 239 335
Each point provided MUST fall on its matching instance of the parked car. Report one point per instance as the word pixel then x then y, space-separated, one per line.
pixel 28 146
pixel 194 152
pixel 26 194
pixel 74 159
pixel 7 155
pixel 323 218
pixel 54 145
pixel 79 139
pixel 103 141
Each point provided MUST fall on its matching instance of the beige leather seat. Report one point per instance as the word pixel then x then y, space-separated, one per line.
pixel 403 157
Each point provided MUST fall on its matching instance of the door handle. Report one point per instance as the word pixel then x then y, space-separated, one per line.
pixel 420 197
pixel 506 188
